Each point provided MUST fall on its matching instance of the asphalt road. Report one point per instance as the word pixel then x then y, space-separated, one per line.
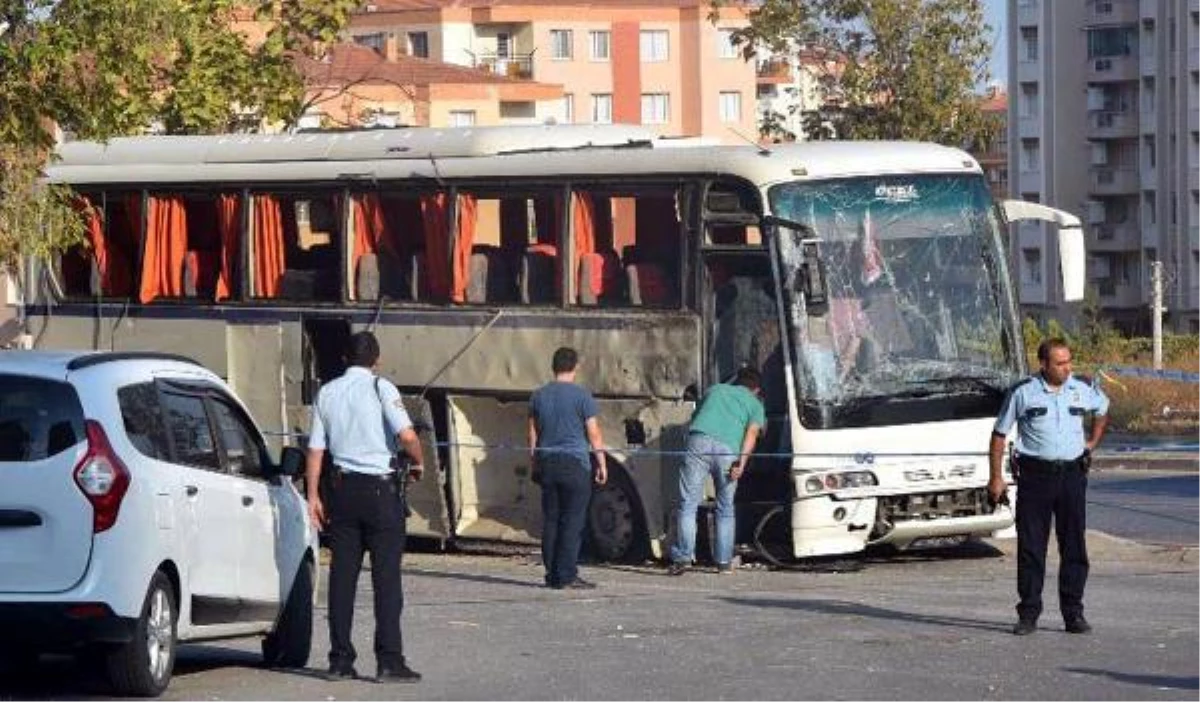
pixel 1149 506
pixel 923 626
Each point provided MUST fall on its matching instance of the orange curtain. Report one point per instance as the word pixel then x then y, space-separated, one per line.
pixel 268 263
pixel 229 226
pixel 371 231
pixel 437 245
pixel 166 246
pixel 95 238
pixel 468 213
pixel 583 213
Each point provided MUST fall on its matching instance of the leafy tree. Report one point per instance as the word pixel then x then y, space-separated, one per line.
pixel 105 68
pixel 892 69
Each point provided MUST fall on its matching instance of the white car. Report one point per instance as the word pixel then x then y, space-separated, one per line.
pixel 139 508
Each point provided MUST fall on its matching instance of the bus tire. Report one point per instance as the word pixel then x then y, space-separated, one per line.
pixel 616 524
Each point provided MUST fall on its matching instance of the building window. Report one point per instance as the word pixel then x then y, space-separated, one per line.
pixel 560 43
pixel 503 45
pixel 1031 266
pixel 1031 155
pixel 1029 43
pixel 726 49
pixel 654 45
pixel 656 108
pixel 1112 41
pixel 374 41
pixel 418 44
pixel 1029 100
pixel 1151 156
pixel 1151 206
pixel 602 108
pixel 599 42
pixel 462 118
pixel 731 106
pixel 569 108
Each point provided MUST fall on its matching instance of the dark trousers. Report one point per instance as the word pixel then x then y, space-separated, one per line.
pixel 566 490
pixel 365 514
pixel 1042 494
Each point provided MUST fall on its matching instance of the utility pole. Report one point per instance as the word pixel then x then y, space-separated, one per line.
pixel 1156 309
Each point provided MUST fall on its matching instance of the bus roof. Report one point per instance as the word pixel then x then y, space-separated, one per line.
pixel 480 152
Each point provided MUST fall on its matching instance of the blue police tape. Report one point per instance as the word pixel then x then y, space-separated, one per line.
pixel 860 457
pixel 1135 372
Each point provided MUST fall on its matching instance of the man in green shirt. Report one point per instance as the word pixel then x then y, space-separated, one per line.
pixel 721 437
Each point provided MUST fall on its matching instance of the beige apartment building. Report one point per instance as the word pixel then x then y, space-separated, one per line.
pixel 660 63
pixel 1103 122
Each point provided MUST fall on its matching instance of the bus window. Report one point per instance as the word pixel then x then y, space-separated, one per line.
pixel 630 246
pixel 294 246
pixel 388 235
pixel 106 265
pixel 192 246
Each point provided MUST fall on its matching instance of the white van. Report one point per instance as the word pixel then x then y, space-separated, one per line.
pixel 139 508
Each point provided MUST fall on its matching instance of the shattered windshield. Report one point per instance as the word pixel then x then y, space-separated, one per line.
pixel 916 305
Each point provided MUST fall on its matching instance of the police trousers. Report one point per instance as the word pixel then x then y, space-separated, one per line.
pixel 1048 491
pixel 366 514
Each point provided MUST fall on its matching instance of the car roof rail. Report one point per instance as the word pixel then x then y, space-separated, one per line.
pixel 95 359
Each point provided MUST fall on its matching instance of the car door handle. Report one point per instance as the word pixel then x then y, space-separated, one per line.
pixel 191 490
pixel 247 500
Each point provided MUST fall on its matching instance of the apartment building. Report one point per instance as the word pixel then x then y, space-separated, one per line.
pixel 661 63
pixel 1103 121
pixel 790 91
pixel 993 156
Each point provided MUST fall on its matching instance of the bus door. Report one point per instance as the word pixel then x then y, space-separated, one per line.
pixel 741 328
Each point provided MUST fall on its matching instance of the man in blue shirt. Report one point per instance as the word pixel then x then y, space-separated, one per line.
pixel 721 438
pixel 563 436
pixel 1050 463
pixel 359 418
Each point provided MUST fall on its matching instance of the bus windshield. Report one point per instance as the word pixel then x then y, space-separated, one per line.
pixel 916 307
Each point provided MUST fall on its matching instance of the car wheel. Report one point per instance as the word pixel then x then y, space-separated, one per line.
pixel 291 642
pixel 142 667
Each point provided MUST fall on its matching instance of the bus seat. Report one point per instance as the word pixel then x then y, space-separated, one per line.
pixel 366 277
pixel 537 276
pixel 647 284
pixel 298 285
pixel 491 278
pixel 200 270
pixel 599 277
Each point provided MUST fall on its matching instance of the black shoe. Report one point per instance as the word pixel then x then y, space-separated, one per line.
pixel 677 569
pixel 398 674
pixel 1024 627
pixel 337 673
pixel 579 584
pixel 1078 625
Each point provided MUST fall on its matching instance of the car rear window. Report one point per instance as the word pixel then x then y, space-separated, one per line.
pixel 39 418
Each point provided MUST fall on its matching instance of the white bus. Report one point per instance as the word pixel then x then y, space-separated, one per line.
pixel 868 281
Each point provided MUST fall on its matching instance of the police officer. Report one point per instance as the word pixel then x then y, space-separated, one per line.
pixel 1050 463
pixel 359 417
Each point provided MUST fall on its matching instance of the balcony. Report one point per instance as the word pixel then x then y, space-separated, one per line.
pixel 1028 71
pixel 511 65
pixel 1031 293
pixel 1107 180
pixel 1148 9
pixel 774 70
pixel 1101 12
pixel 1110 69
pixel 1114 294
pixel 1028 13
pixel 1113 237
pixel 1112 125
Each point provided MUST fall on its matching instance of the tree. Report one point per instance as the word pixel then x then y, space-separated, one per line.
pixel 105 68
pixel 889 69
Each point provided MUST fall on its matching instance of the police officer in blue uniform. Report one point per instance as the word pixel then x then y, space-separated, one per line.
pixel 1050 463
pixel 360 419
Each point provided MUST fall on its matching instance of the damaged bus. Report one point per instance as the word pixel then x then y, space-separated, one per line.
pixel 868 281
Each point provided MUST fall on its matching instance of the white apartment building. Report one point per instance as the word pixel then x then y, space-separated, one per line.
pixel 1104 106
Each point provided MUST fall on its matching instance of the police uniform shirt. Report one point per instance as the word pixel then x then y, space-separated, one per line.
pixel 356 424
pixel 1050 424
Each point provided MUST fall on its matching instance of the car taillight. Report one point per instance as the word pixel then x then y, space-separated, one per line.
pixel 102 478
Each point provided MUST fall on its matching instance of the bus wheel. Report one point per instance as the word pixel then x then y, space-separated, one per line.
pixel 616 524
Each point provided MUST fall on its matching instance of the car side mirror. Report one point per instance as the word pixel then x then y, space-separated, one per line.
pixel 291 462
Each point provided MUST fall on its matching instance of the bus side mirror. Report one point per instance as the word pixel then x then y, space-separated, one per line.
pixel 1072 254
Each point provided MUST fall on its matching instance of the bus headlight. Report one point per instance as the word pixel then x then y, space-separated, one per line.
pixel 828 482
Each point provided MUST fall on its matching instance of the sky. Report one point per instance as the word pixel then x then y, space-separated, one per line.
pixel 994 15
